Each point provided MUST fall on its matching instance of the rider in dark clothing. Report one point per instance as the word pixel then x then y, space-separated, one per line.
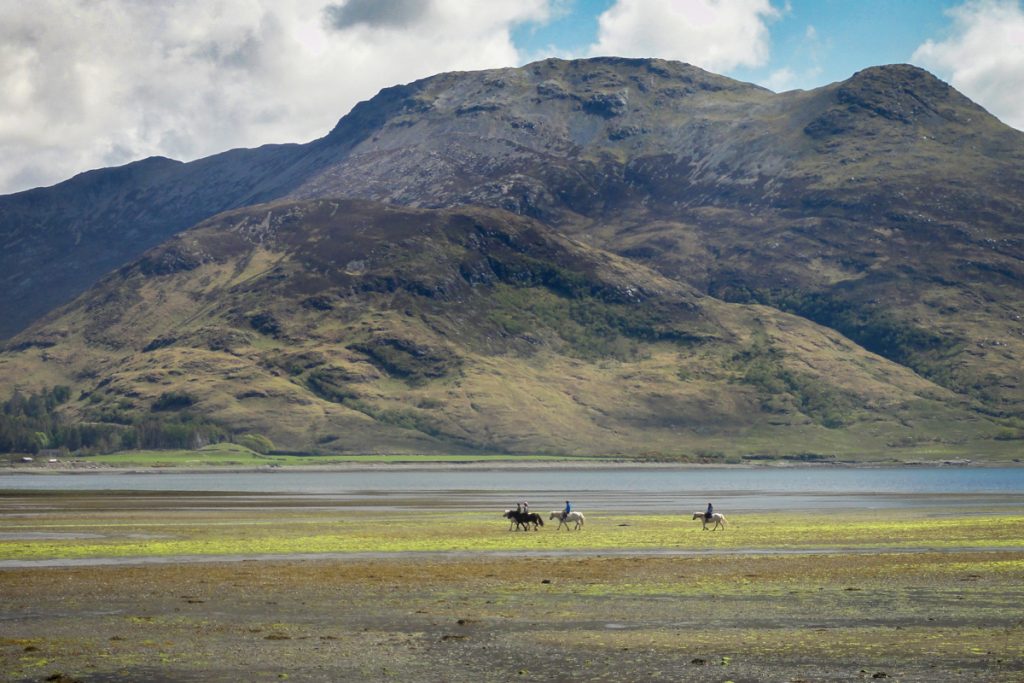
pixel 711 511
pixel 568 509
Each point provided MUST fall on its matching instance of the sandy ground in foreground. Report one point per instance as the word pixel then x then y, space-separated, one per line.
pixel 921 617
pixel 800 598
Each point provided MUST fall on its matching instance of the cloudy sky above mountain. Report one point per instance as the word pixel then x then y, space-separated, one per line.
pixel 93 83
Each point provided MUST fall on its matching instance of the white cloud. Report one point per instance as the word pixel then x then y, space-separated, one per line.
pixel 786 78
pixel 717 35
pixel 92 83
pixel 983 56
pixel 808 74
pixel 781 80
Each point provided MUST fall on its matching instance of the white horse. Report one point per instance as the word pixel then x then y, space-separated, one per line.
pixel 574 516
pixel 718 518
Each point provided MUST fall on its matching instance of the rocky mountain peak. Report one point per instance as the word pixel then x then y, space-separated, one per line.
pixel 904 93
pixel 605 87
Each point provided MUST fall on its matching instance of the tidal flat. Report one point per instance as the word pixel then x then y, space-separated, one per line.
pixel 101 586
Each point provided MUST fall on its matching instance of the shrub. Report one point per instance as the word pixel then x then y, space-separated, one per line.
pixel 255 442
pixel 172 400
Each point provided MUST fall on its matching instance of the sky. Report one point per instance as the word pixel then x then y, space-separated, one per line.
pixel 93 83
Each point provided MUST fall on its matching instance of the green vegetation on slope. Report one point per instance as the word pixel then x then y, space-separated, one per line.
pixel 465 332
pixel 29 424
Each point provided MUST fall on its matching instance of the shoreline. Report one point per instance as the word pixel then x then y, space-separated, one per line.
pixel 482 466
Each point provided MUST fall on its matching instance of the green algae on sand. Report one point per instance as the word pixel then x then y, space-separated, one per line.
pixel 187 532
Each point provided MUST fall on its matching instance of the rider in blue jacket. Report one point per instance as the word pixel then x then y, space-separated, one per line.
pixel 711 511
pixel 568 509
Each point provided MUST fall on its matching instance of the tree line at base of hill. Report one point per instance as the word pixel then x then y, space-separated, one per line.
pixel 33 423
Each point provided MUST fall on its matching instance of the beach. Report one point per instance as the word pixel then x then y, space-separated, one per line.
pixel 102 586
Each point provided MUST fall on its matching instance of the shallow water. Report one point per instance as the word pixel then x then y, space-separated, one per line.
pixel 640 489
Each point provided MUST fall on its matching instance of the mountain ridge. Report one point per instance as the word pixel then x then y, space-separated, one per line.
pixel 885 207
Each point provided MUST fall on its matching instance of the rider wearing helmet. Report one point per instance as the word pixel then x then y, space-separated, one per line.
pixel 568 509
pixel 711 511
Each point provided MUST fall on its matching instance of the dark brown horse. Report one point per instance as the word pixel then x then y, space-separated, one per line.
pixel 523 520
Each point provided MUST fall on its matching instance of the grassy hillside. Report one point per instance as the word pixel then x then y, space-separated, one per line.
pixel 350 327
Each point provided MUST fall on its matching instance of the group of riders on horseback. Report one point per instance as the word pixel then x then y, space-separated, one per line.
pixel 522 519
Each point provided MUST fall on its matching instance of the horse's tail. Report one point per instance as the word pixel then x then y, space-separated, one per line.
pixel 540 519
pixel 723 519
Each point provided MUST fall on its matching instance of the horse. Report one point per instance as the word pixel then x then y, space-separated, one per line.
pixel 574 516
pixel 524 519
pixel 510 516
pixel 718 518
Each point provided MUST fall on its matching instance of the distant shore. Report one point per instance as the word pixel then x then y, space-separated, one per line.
pixel 86 468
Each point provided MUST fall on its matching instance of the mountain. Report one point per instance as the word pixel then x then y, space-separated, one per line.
pixel 353 326
pixel 862 239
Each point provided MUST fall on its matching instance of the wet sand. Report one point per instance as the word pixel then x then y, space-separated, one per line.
pixel 923 597
pixel 615 619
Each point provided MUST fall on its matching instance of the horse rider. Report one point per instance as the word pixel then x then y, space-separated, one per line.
pixel 566 511
pixel 709 513
pixel 526 507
